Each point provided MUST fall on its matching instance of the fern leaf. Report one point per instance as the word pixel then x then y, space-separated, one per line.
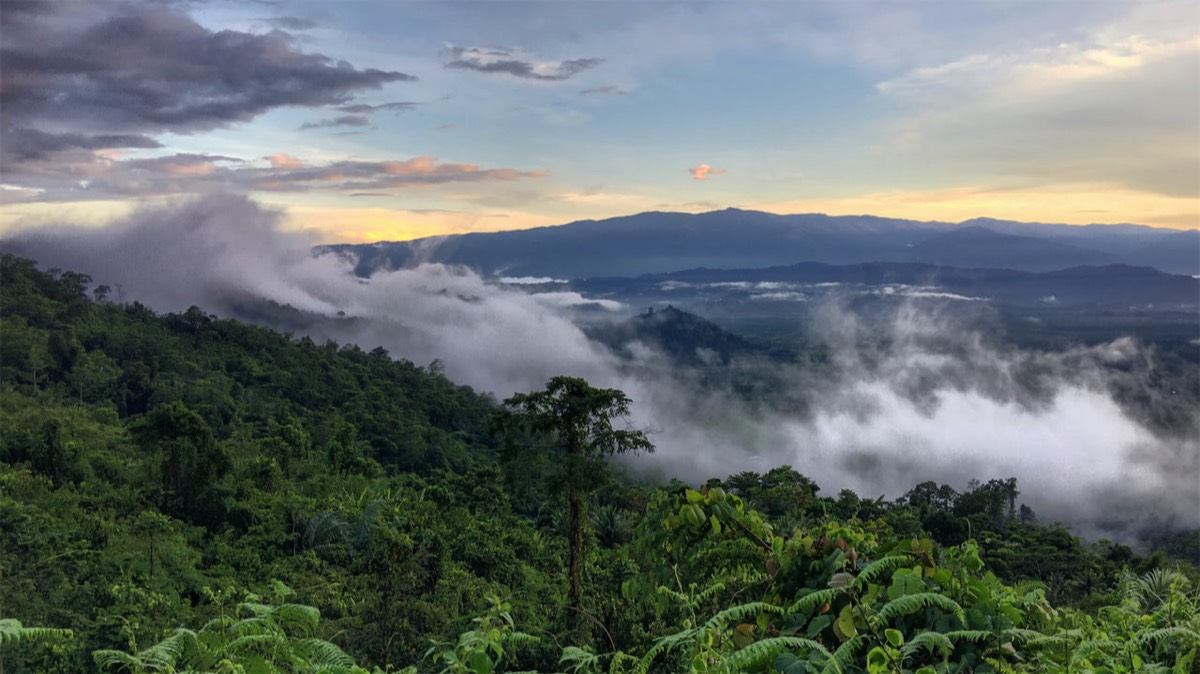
pixel 844 654
pixel 1022 636
pixel 930 642
pixel 106 659
pixel 254 609
pixel 1054 641
pixel 321 653
pixel 297 616
pixel 740 613
pixel 664 645
pixel 755 655
pixel 12 631
pixel 519 639
pixel 915 602
pixel 1085 651
pixel 168 650
pixel 879 567
pixel 970 635
pixel 1154 638
pixel 815 599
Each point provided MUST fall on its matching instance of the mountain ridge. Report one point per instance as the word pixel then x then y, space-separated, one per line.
pixel 662 241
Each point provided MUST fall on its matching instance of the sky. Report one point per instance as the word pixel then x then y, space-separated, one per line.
pixel 366 120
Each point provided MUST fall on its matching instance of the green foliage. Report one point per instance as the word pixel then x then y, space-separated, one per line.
pixel 267 639
pixel 480 650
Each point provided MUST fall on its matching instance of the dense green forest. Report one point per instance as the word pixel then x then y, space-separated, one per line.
pixel 184 493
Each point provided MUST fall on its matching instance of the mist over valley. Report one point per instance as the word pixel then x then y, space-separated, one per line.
pixel 1082 383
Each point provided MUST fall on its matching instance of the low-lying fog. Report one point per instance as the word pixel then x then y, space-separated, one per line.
pixel 932 399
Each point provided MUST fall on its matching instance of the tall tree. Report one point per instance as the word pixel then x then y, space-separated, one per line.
pixel 571 423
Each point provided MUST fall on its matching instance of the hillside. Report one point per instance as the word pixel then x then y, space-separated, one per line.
pixel 306 507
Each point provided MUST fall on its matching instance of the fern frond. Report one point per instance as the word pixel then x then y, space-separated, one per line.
pixel 740 613
pixel 12 631
pixel 298 617
pixel 665 645
pixel 252 626
pixel 930 642
pixel 709 592
pixel 106 659
pixel 844 654
pixel 879 567
pixel 1023 635
pixel 1085 650
pixel 679 597
pixel 168 650
pixel 755 655
pixel 970 635
pixel 915 602
pixel 1154 638
pixel 255 610
pixel 1053 641
pixel 518 639
pixel 251 643
pixel 321 653
pixel 815 599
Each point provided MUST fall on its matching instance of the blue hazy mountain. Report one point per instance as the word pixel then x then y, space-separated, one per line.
pixel 656 242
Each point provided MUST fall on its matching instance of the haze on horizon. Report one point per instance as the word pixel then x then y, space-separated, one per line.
pixel 374 120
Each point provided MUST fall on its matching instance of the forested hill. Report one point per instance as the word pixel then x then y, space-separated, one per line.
pixel 305 507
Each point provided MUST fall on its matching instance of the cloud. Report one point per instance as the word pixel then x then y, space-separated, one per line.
pixel 365 109
pixel 703 171
pixel 282 160
pixel 100 177
pixel 610 90
pixel 25 143
pixel 503 60
pixel 1073 112
pixel 345 120
pixel 291 23
pixel 110 74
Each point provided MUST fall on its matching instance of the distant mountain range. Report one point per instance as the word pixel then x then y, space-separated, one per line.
pixel 723 290
pixel 658 242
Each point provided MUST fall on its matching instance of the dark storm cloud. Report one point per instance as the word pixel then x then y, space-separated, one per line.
pixel 347 120
pixel 109 70
pixel 23 143
pixel 503 60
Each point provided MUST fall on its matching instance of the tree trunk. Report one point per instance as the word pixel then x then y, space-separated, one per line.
pixel 575 556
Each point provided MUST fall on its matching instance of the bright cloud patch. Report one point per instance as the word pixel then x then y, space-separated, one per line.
pixel 703 171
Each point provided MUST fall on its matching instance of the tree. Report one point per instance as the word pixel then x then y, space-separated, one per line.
pixel 191 461
pixel 571 423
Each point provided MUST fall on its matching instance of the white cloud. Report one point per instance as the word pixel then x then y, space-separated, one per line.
pixel 1116 109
